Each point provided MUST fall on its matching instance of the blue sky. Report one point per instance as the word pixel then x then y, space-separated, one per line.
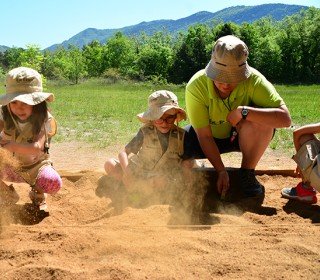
pixel 47 22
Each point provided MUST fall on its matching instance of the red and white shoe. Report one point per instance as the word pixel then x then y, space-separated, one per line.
pixel 301 193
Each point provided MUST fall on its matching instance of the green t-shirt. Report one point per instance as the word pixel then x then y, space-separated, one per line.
pixel 204 106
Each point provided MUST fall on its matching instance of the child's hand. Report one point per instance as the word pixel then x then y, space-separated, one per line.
pixel 297 172
pixel 127 177
pixel 3 142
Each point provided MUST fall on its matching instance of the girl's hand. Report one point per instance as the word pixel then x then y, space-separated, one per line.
pixel 3 143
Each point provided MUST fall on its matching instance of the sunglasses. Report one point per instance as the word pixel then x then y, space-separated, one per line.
pixel 169 120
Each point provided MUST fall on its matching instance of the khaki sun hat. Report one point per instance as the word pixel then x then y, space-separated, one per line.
pixel 228 62
pixel 25 85
pixel 160 102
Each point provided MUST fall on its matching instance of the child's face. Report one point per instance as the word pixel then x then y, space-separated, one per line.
pixel 22 110
pixel 166 122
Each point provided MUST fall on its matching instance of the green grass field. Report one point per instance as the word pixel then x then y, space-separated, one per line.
pixel 105 114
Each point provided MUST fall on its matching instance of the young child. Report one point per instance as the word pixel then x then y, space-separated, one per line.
pixel 27 128
pixel 151 163
pixel 308 164
pixel 153 156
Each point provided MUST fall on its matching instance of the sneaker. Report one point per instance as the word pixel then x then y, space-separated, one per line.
pixel 250 184
pixel 301 192
pixel 38 199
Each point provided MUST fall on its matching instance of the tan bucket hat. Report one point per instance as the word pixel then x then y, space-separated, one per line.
pixel 158 103
pixel 228 62
pixel 24 84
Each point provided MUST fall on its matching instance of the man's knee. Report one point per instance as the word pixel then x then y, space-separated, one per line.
pixel 255 130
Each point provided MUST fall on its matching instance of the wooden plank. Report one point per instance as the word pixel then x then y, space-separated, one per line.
pixel 259 172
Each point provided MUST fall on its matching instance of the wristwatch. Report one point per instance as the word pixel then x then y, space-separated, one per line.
pixel 244 112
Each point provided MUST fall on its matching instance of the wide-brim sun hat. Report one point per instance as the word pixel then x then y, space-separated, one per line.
pixel 228 63
pixel 25 85
pixel 160 102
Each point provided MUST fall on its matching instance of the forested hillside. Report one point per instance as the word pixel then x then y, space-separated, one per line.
pixel 237 14
pixel 286 51
pixel 3 48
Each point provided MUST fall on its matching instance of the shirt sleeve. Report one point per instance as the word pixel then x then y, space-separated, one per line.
pixel 264 94
pixel 135 144
pixel 197 100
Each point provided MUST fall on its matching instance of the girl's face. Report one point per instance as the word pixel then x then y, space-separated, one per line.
pixel 166 122
pixel 22 110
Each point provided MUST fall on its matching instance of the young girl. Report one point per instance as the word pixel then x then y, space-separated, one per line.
pixel 27 130
pixel 154 155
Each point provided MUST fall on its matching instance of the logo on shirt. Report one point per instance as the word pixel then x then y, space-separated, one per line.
pixel 212 122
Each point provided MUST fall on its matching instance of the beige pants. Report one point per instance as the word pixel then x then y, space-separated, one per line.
pixel 308 160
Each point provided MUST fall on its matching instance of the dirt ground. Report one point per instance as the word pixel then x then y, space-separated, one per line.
pixel 84 236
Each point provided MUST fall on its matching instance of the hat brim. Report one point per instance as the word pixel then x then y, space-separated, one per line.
pixel 155 114
pixel 33 98
pixel 228 77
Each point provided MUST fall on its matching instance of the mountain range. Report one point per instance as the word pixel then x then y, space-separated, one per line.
pixel 236 14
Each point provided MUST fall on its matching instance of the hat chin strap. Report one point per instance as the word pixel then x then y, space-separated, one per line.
pixel 13 119
pixel 180 147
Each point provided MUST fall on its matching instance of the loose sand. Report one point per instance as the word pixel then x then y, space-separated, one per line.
pixel 85 236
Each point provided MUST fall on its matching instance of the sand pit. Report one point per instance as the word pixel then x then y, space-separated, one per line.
pixel 85 236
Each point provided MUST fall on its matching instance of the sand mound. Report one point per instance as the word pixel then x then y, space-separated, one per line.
pixel 87 236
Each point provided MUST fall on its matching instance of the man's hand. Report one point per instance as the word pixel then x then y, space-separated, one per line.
pixel 223 183
pixel 234 117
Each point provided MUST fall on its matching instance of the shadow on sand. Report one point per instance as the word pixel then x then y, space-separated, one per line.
pixel 234 197
pixel 180 214
pixel 26 214
pixel 305 211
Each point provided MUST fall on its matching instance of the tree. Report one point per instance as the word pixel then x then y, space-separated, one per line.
pixel 12 58
pixel 76 68
pixel 119 53
pixel 265 52
pixel 65 64
pixel 268 58
pixel 224 29
pixel 55 64
pixel 93 54
pixel 192 53
pixel 32 57
pixel 309 30
pixel 155 57
pixel 250 35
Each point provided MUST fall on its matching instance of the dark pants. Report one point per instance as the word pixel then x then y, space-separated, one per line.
pixel 192 148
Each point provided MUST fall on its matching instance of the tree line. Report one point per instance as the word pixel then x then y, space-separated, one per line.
pixel 286 51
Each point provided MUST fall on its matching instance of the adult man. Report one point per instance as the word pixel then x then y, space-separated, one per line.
pixel 232 107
